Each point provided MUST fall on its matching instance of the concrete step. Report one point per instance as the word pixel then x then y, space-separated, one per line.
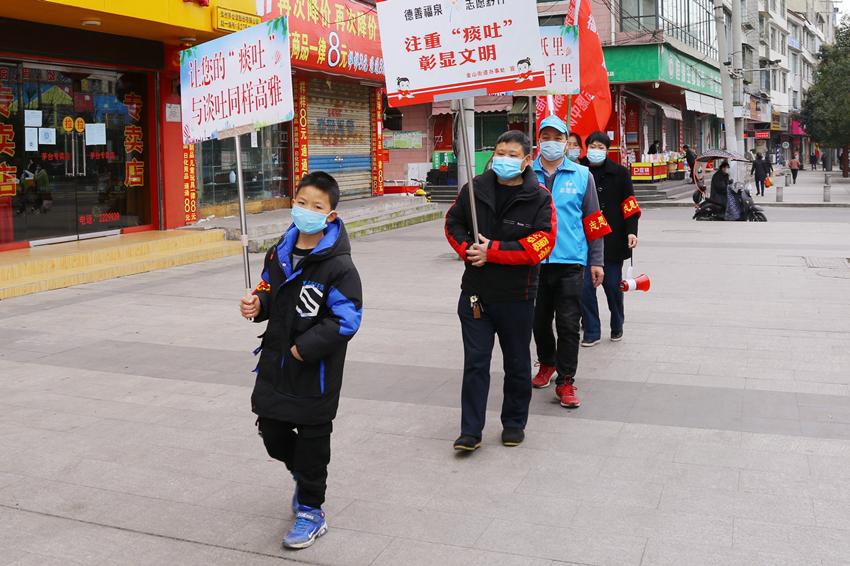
pixel 46 260
pixel 123 265
pixel 397 222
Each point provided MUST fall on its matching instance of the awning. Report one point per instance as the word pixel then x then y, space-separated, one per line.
pixel 669 111
pixel 697 102
pixel 499 103
pixel 519 109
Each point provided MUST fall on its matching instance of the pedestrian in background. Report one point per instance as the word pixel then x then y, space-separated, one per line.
pixel 574 147
pixel 691 159
pixel 813 161
pixel 517 228
pixel 581 227
pixel 618 204
pixel 794 165
pixel 761 170
pixel 655 147
pixel 310 294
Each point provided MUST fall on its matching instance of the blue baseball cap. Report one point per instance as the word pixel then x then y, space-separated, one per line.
pixel 553 121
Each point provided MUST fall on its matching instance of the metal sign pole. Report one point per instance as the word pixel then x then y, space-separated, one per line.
pixel 470 171
pixel 243 220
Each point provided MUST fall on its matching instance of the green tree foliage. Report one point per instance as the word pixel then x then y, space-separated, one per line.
pixel 826 109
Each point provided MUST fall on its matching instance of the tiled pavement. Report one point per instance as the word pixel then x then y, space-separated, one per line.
pixel 717 433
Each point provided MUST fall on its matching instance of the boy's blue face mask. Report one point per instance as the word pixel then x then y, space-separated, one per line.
pixel 507 168
pixel 308 221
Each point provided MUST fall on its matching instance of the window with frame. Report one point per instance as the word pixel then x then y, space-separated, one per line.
pixel 637 15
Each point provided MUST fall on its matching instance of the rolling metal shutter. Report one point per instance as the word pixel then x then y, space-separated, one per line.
pixel 340 134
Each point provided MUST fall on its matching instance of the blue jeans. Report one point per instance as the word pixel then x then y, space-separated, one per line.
pixel 590 307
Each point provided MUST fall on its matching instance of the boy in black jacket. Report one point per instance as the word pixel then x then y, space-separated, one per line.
pixel 310 294
pixel 517 225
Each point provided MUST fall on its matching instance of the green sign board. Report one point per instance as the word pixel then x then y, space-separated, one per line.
pixel 680 70
pixel 658 62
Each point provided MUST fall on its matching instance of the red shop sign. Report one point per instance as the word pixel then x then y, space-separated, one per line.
pixel 765 135
pixel 334 36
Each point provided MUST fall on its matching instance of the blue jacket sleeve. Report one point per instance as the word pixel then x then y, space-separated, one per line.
pixel 340 322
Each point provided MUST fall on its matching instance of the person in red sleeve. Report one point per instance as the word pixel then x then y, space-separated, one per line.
pixel 517 226
pixel 618 204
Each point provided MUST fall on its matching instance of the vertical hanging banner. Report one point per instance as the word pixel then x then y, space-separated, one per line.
pixel 445 49
pixel 559 45
pixel 239 80
pixel 300 135
pixel 376 119
pixel 591 107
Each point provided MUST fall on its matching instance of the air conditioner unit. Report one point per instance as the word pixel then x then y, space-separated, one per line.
pixel 747 26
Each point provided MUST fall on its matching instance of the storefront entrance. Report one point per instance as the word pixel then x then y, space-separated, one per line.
pixel 73 150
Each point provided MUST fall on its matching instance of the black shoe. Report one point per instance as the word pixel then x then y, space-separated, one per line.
pixel 513 436
pixel 467 443
pixel 589 342
pixel 616 336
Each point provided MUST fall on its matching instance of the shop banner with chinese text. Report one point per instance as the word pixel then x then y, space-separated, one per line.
pixel 242 79
pixel 444 49
pixel 334 36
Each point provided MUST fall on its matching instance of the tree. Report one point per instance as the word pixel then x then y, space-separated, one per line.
pixel 826 109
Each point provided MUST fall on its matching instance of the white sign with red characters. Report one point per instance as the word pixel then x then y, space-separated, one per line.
pixel 446 49
pixel 242 79
pixel 560 52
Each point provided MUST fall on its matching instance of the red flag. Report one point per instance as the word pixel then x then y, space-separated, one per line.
pixel 591 108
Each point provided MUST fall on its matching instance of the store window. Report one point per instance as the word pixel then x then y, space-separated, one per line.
pixel 74 148
pixel 265 169
pixel 488 127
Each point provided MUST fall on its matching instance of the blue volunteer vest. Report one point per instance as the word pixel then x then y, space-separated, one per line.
pixel 568 192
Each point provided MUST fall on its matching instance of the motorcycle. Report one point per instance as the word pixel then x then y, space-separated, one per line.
pixel 708 210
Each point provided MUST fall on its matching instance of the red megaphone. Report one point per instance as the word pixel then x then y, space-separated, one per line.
pixel 639 283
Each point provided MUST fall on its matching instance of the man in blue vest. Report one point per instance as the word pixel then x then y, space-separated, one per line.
pixel 579 243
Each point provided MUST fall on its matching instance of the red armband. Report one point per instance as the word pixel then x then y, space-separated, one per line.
pixel 630 207
pixel 596 226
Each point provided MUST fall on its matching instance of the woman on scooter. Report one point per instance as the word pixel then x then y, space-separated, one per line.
pixel 720 184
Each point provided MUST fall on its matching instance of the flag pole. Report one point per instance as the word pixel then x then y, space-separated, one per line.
pixel 243 219
pixel 569 113
pixel 470 170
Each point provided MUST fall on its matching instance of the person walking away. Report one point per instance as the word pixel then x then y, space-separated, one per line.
pixel 581 227
pixel 620 207
pixel 794 165
pixel 691 159
pixel 761 169
pixel 813 161
pixel 655 147
pixel 517 226
pixel 574 147
pixel 310 294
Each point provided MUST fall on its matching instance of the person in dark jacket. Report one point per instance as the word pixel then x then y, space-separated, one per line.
pixel 691 159
pixel 517 229
pixel 619 206
pixel 310 294
pixel 655 147
pixel 720 185
pixel 761 169
pixel 813 161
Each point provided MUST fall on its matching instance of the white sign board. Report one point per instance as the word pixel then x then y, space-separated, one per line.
pixel 446 49
pixel 559 45
pixel 237 81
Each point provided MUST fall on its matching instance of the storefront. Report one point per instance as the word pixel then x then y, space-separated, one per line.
pixel 90 141
pixel 75 140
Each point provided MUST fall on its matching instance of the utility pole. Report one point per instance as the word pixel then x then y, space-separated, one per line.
pixel 738 65
pixel 725 77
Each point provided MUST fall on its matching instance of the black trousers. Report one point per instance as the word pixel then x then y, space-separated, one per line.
pixel 512 323
pixel 794 175
pixel 559 297
pixel 306 451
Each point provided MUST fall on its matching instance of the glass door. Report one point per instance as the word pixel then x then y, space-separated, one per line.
pixel 79 151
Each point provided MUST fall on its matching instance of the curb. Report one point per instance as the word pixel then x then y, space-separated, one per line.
pixel 690 204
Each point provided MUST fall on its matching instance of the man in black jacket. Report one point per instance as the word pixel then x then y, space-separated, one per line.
pixel 618 204
pixel 517 226
pixel 691 159
pixel 310 293
pixel 761 170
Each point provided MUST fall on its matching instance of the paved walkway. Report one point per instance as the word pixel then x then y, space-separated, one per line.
pixel 716 433
pixel 807 191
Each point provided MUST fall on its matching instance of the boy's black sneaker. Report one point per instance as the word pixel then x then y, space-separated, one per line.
pixel 617 336
pixel 467 443
pixel 513 436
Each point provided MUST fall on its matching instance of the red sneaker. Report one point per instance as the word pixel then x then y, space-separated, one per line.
pixel 566 394
pixel 543 377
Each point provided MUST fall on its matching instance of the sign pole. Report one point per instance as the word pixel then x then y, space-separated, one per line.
pixel 243 220
pixel 470 170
